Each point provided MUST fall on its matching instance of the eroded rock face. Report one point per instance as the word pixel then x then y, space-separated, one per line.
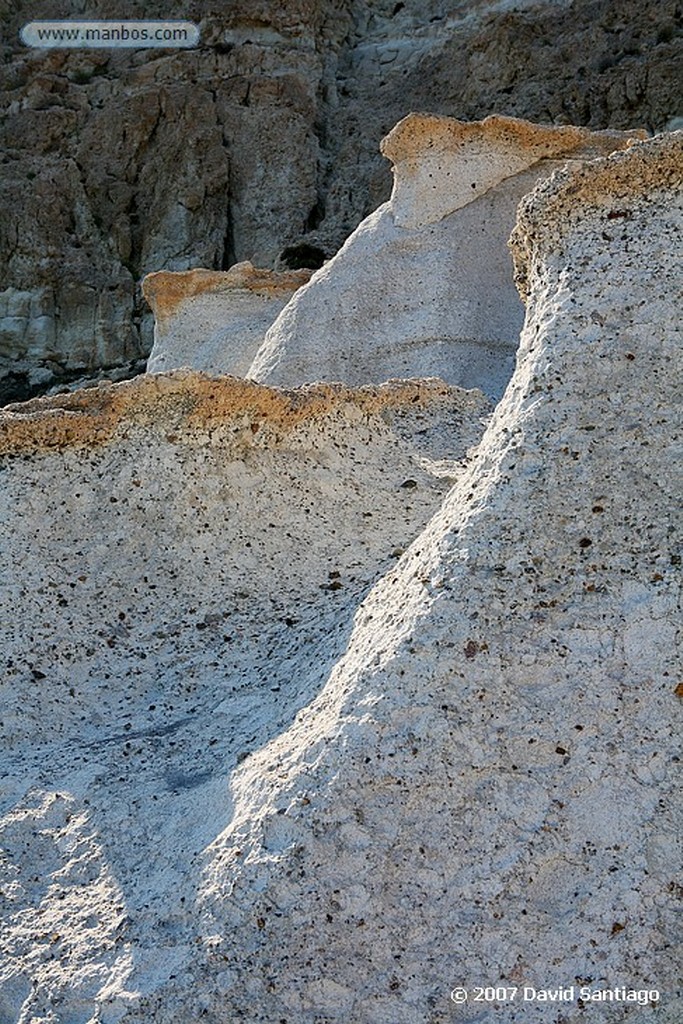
pixel 483 790
pixel 425 285
pixel 259 765
pixel 262 143
pixel 123 163
pixel 441 165
pixel 212 320
pixel 179 553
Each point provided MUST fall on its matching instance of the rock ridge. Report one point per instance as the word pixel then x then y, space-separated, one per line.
pixel 425 284
pixel 188 401
pixel 480 763
pixel 611 190
pixel 215 320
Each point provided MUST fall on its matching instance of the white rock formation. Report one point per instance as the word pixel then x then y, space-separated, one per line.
pixel 424 285
pixel 483 791
pixel 179 554
pixel 215 320
pixel 240 783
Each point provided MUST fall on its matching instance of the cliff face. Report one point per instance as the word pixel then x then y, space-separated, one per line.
pixel 483 787
pixel 261 144
pixel 309 714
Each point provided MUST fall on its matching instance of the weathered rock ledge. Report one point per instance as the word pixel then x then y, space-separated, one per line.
pixel 610 193
pixel 192 403
pixel 180 553
pixel 165 290
pixel 441 164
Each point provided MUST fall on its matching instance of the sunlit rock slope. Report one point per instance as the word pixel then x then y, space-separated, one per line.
pixel 259 763
pixel 181 561
pixel 483 790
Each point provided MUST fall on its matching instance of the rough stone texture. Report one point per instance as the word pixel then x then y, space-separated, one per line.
pixel 180 552
pixel 262 143
pixel 241 783
pixel 441 165
pixel 483 791
pixel 424 286
pixel 213 320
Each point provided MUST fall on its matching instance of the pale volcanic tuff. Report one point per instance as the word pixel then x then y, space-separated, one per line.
pixel 312 713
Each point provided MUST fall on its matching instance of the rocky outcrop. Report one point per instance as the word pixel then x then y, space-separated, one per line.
pixel 483 790
pixel 441 165
pixel 180 553
pixel 260 763
pixel 425 285
pixel 49 337
pixel 261 144
pixel 213 320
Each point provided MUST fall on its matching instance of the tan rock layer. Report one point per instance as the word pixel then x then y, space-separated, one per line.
pixel 186 401
pixel 418 132
pixel 166 289
pixel 442 164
